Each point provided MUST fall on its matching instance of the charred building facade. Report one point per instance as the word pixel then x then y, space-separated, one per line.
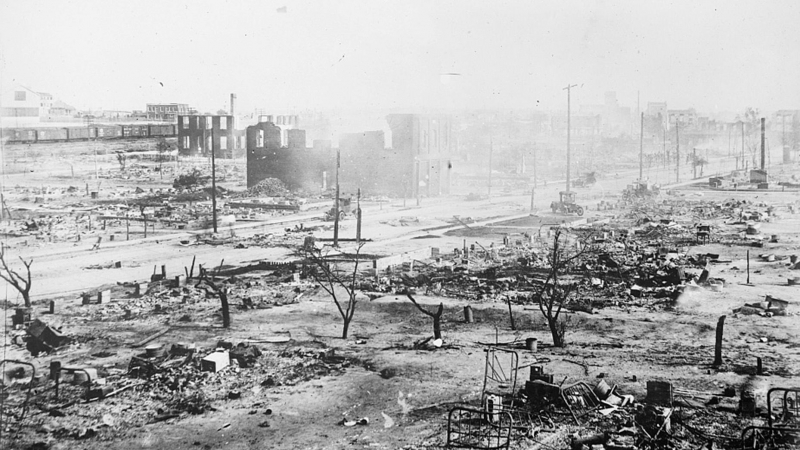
pixel 295 165
pixel 424 146
pixel 418 162
pixel 198 135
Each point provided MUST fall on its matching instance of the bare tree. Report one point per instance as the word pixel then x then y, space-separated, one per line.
pixel 436 316
pixel 556 290
pixel 326 269
pixel 210 287
pixel 122 159
pixel 21 283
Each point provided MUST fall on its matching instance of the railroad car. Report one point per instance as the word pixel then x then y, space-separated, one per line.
pixel 81 133
pixel 134 131
pixel 161 130
pixel 109 131
pixel 51 134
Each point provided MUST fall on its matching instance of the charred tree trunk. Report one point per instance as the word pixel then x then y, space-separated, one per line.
pixel 348 316
pixel 557 331
pixel 718 346
pixel 226 313
pixel 437 325
pixel 211 288
pixel 345 328
pixel 510 313
pixel 437 316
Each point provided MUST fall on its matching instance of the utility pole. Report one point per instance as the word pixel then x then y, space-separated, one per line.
pixel 677 152
pixel 743 164
pixel 213 182
pixel 763 152
pixel 491 148
pixel 336 204
pixel 641 145
pixel 664 140
pixel 358 217
pixel 568 89
pixel 533 189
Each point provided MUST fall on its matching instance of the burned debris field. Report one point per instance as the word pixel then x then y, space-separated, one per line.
pixel 663 319
pixel 400 225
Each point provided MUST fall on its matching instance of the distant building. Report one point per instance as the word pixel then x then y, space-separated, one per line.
pixel 656 109
pixel 686 117
pixel 656 117
pixel 786 124
pixel 22 106
pixel 114 114
pixel 285 122
pixel 168 112
pixel 198 135
pixel 60 108
pixel 424 146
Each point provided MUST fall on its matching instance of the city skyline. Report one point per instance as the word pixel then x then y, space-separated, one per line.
pixel 715 56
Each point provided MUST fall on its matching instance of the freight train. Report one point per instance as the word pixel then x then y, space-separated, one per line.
pixel 32 135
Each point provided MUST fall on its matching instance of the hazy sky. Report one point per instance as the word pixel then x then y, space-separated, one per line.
pixel 713 55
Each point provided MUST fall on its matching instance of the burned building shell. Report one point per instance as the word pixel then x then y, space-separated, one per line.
pixel 199 134
pixel 418 162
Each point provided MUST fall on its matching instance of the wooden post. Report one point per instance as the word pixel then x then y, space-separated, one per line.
pixel 748 267
pixel 759 367
pixel 468 316
pixel 718 346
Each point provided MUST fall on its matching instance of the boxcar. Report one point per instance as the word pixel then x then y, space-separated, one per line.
pixel 18 135
pixel 161 130
pixel 134 131
pixel 24 135
pixel 81 133
pixel 51 134
pixel 109 131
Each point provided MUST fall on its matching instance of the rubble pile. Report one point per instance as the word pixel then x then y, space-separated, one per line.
pixel 167 385
pixel 268 187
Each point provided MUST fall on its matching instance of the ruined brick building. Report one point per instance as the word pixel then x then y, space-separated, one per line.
pixel 199 134
pixel 418 162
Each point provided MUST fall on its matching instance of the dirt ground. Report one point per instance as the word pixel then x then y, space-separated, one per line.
pixel 308 382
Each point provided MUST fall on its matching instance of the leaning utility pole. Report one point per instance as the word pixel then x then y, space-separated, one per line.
pixel 336 205
pixel 641 146
pixel 568 89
